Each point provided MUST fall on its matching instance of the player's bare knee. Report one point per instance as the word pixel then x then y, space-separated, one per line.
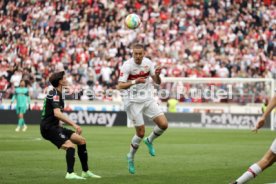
pixel 82 141
pixel 164 126
pixel 140 134
pixel 68 144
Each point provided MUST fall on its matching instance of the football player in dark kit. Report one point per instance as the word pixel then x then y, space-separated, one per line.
pixel 61 137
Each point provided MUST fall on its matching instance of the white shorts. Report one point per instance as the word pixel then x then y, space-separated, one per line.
pixel 273 146
pixel 135 111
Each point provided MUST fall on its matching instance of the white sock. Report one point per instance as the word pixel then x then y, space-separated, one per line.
pixel 155 133
pixel 134 145
pixel 251 173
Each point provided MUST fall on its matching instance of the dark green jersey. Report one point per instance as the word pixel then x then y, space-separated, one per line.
pixel 21 95
pixel 52 101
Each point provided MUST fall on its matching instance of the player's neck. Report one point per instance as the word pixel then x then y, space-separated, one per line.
pixel 59 89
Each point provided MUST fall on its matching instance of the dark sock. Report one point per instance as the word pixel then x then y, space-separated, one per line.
pixel 70 159
pixel 82 152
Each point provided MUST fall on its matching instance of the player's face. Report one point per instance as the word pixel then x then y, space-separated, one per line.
pixel 64 81
pixel 22 84
pixel 138 55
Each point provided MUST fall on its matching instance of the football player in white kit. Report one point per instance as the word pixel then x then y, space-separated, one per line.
pixel 270 156
pixel 134 81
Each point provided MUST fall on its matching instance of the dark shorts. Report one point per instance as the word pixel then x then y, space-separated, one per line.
pixel 57 135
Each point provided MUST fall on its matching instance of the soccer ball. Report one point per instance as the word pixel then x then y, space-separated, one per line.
pixel 132 21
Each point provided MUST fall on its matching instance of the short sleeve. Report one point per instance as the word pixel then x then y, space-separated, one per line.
pixel 124 73
pixel 56 101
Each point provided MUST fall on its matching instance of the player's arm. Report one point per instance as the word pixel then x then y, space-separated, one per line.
pixel 58 114
pixel 28 99
pixel 13 97
pixel 5 88
pixel 123 82
pixel 126 85
pixel 156 76
pixel 271 105
pixel 29 102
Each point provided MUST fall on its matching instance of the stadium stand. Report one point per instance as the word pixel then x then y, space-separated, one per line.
pixel 87 38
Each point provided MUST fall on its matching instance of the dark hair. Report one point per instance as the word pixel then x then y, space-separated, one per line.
pixel 55 78
pixel 138 46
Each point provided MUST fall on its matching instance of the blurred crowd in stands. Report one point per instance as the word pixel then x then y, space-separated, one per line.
pixel 88 39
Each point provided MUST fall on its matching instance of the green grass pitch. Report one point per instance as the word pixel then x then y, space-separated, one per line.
pixel 184 156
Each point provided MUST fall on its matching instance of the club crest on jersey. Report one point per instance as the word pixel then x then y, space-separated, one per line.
pixel 146 67
pixel 121 74
pixel 56 98
pixel 136 71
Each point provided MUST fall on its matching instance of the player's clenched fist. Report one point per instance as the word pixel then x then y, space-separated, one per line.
pixel 78 129
pixel 259 125
pixel 158 71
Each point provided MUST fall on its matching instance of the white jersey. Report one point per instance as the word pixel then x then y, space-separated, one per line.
pixel 142 92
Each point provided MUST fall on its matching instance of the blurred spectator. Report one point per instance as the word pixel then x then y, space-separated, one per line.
pixel 88 39
pixel 171 104
pixel 3 84
pixel 67 108
pixel 36 107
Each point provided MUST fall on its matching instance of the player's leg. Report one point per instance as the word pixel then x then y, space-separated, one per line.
pixel 135 142
pixel 23 111
pixel 136 139
pixel 161 125
pixel 268 159
pixel 134 114
pixel 83 155
pixel 60 138
pixel 20 122
pixel 153 111
pixel 70 160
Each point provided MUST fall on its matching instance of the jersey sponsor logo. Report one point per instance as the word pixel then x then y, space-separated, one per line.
pixel 146 68
pixel 142 74
pixel 56 98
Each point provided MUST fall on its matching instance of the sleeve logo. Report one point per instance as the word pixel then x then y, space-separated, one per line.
pixel 56 98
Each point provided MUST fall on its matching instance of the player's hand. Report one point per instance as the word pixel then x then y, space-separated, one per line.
pixel 78 129
pixel 259 125
pixel 140 80
pixel 158 71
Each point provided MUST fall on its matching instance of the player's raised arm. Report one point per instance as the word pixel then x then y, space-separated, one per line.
pixel 156 77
